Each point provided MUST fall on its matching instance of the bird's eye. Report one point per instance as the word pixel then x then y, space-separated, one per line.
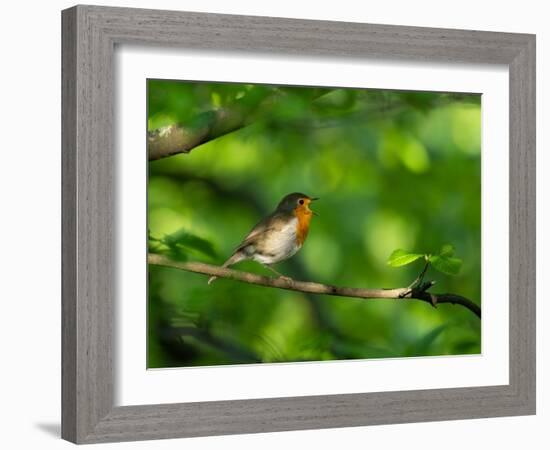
pixel 301 201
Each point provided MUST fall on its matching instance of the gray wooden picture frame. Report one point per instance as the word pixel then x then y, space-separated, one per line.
pixel 90 34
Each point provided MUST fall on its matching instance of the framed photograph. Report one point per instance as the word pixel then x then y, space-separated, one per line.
pixel 278 224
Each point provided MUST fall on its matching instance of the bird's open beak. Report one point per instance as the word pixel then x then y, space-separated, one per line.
pixel 312 200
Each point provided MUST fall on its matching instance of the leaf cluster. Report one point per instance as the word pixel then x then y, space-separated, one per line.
pixel 444 261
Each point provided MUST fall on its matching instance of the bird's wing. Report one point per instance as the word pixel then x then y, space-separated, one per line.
pixel 247 247
pixel 273 222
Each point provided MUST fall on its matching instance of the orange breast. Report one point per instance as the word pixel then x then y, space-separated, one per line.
pixel 302 226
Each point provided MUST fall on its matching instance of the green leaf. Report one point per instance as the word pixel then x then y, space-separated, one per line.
pixel 446 264
pixel 447 250
pixel 183 238
pixel 401 258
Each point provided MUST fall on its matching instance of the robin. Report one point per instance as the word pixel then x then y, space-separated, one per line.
pixel 277 237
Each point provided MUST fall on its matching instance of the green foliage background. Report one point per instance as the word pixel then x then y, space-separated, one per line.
pixel 393 169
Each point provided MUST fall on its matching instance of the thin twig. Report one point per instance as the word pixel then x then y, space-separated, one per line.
pixel 420 277
pixel 314 288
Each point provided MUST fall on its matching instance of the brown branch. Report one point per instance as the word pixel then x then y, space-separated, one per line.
pixel 206 126
pixel 174 139
pixel 315 288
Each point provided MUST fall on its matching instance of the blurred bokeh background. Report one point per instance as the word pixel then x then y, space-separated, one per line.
pixel 393 169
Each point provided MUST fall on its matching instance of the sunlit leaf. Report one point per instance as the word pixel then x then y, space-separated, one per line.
pixel 401 258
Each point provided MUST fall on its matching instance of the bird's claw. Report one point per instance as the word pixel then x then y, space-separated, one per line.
pixel 287 279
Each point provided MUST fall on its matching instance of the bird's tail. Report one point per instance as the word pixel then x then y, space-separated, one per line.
pixel 234 259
